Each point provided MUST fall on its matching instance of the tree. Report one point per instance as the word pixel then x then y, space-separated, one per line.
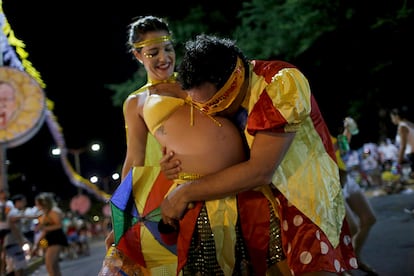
pixel 284 29
pixel 353 52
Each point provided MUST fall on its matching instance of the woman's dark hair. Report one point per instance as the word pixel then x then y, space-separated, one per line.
pixel 143 25
pixel 402 112
pixel 209 58
pixel 17 197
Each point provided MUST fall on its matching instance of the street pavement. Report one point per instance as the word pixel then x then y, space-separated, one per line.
pixel 389 248
pixel 82 266
pixel 390 245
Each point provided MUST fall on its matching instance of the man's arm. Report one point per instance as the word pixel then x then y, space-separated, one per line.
pixel 13 219
pixel 267 152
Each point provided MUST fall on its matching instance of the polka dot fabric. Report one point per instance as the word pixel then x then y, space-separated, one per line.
pixel 307 248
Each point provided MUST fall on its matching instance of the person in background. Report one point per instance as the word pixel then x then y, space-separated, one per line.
pixel 370 165
pixel 404 137
pixel 73 238
pixel 83 238
pixel 30 214
pixel 360 214
pixel 51 236
pixel 71 232
pixel 290 152
pixel 5 206
pixel 16 261
pixel 388 151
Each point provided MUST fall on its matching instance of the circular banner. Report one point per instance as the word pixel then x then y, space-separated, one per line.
pixel 22 106
pixel 80 204
pixel 106 210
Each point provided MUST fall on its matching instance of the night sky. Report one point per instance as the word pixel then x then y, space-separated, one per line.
pixel 77 50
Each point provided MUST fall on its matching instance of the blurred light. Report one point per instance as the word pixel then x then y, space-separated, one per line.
pixel 94 179
pixel 56 151
pixel 26 247
pixel 27 251
pixel 95 147
pixel 115 176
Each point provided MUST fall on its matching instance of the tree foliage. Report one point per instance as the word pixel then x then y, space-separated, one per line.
pixel 285 28
pixel 353 52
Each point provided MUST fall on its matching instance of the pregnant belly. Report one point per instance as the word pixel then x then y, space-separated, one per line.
pixel 205 150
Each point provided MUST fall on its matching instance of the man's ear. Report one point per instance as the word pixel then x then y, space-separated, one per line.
pixel 138 56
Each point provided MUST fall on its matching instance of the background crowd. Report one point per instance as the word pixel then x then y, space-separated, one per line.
pixel 25 233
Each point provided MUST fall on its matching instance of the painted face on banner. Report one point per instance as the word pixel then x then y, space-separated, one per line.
pixel 8 103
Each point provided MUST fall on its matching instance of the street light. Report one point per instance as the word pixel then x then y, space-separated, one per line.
pixel 95 179
pixel 76 154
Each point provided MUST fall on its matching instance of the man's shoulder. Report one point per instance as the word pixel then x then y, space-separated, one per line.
pixel 270 67
pixel 272 63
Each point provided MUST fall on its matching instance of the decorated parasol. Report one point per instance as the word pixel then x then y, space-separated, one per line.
pixel 135 205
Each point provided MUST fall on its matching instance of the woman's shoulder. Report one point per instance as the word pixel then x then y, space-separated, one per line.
pixel 409 126
pixel 135 99
pixel 133 104
pixel 57 210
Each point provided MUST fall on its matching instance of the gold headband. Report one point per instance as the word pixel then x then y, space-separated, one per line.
pixel 152 41
pixel 226 95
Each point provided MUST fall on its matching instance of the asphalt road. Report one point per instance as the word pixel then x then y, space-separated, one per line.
pixel 390 245
pixel 389 248
pixel 83 265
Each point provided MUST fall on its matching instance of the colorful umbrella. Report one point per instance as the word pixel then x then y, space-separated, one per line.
pixel 135 204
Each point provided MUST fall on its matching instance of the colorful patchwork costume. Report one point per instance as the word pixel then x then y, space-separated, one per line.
pixel 306 184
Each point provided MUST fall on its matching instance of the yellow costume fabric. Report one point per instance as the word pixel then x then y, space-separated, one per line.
pixel 157 258
pixel 222 215
pixel 308 176
pixel 153 153
pixel 158 108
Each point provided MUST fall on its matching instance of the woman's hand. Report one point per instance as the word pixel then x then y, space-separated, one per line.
pixel 34 250
pixel 169 166
pixel 109 240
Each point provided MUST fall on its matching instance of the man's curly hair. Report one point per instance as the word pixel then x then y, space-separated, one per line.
pixel 210 59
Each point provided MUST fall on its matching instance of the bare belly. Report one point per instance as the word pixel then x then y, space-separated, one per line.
pixel 204 147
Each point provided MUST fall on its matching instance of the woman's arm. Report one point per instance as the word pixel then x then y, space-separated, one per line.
pixel 267 152
pixel 403 132
pixel 136 134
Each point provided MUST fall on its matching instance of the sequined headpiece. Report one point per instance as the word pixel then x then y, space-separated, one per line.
pixel 151 41
pixel 226 95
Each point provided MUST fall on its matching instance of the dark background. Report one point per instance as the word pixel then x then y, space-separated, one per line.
pixel 76 49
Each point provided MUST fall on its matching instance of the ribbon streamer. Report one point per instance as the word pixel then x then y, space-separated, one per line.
pixel 13 54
